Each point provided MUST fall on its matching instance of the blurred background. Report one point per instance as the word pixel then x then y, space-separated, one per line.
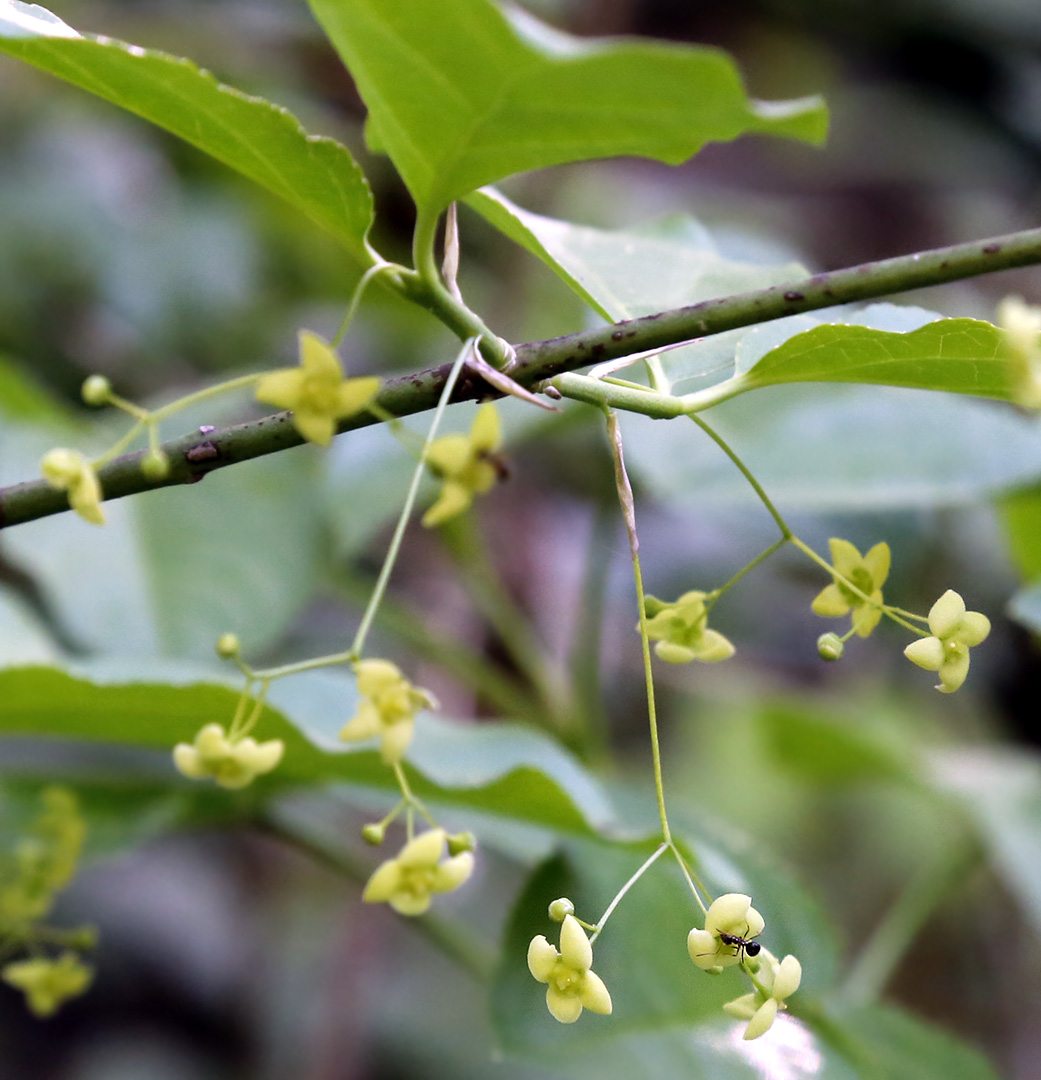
pixel 126 253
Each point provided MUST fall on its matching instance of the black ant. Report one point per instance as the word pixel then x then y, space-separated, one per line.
pixel 744 946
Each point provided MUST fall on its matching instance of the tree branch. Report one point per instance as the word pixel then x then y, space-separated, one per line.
pixel 194 455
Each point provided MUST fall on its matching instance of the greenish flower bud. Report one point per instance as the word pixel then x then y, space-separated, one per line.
pixel 560 909
pixel 372 834
pixel 228 646
pixel 460 842
pixel 96 390
pixel 830 647
pixel 155 465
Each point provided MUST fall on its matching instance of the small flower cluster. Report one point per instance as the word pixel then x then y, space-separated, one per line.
pixel 731 924
pixel 42 864
pixel 682 632
pixel 857 591
pixel 232 762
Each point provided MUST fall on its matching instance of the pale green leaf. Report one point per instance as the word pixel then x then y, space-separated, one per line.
pixel 262 141
pixel 962 356
pixel 626 273
pixel 498 768
pixel 462 94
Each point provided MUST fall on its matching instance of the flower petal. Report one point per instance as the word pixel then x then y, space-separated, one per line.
pixel 449 455
pixel 953 672
pixel 713 647
pixel 316 427
pixel 564 1007
pixel 410 903
pixel 454 499
pixel 975 626
pixel 364 724
pixel 425 850
pixel 763 1020
pixel 830 602
pixel 702 946
pixel 575 949
pixel 926 652
pixel 672 653
pixel 352 395
pixel 742 1008
pixel 383 884
pixel 451 873
pixel 594 994
pixel 281 388
pixel 728 913
pixel 318 359
pixel 542 958
pixel 788 977
pixel 395 742
pixel 946 614
pixel 186 759
pixel 877 562
pixel 486 433
pixel 844 556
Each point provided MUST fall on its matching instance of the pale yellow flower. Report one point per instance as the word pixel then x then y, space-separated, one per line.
pixel 388 708
pixel 231 764
pixel 778 981
pixel 466 464
pixel 572 986
pixel 682 632
pixel 954 632
pixel 409 881
pixel 69 470
pixel 867 572
pixel 729 916
pixel 316 391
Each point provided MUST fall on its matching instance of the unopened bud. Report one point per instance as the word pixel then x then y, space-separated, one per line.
pixel 830 647
pixel 560 909
pixel 155 465
pixel 228 646
pixel 372 834
pixel 96 390
pixel 460 842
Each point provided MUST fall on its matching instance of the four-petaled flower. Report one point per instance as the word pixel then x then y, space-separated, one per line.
pixel 389 708
pixel 1022 326
pixel 954 632
pixel 316 391
pixel 230 764
pixel 729 916
pixel 777 981
pixel 572 987
pixel 48 983
pixel 867 572
pixel 420 869
pixel 69 470
pixel 466 464
pixel 682 632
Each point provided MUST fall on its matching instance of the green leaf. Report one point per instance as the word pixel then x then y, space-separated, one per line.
pixel 501 769
pixel 626 273
pixel 961 356
pixel 461 95
pixel 261 140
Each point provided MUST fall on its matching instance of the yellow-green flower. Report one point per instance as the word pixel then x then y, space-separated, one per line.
pixel 572 986
pixel 729 916
pixel 388 708
pixel 1022 326
pixel 867 572
pixel 409 881
pixel 69 470
pixel 231 764
pixel 316 391
pixel 682 632
pixel 466 464
pixel 777 981
pixel 954 632
pixel 48 983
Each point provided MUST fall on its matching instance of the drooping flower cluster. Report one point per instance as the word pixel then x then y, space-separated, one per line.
pixel 421 869
pixel 43 863
pixel 572 985
pixel 69 470
pixel 466 465
pixel 682 632
pixel 953 632
pixel 388 709
pixel 317 391
pixel 232 763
